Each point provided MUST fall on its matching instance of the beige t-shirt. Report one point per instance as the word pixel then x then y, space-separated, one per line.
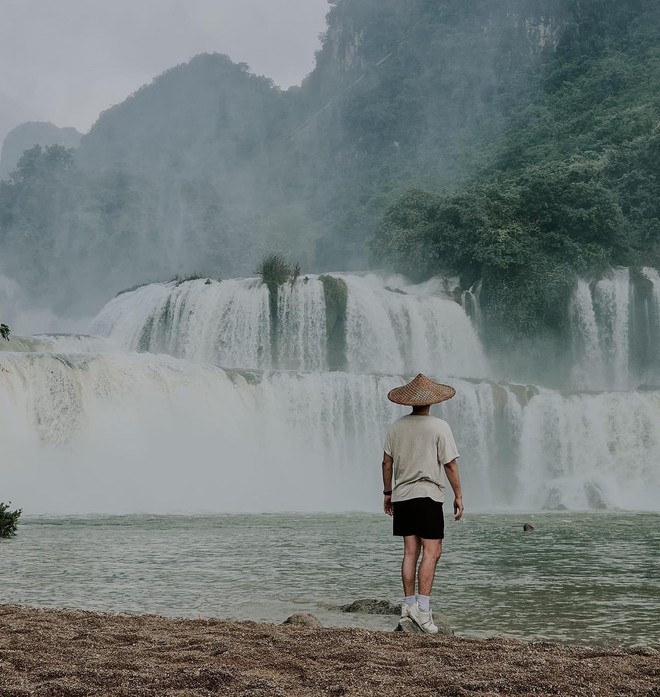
pixel 419 447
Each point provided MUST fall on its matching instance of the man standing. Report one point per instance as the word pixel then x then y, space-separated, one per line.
pixel 419 449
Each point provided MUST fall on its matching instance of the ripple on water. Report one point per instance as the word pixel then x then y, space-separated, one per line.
pixel 580 577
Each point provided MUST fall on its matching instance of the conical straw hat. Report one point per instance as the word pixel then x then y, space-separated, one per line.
pixel 420 392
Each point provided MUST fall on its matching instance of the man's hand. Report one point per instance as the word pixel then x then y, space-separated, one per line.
pixel 388 463
pixel 451 470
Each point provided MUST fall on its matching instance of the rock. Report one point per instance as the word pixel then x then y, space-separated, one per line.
pixel 643 650
pixel 528 527
pixel 371 606
pixel 408 626
pixel 303 619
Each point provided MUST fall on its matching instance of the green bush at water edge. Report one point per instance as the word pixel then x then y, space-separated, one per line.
pixel 8 520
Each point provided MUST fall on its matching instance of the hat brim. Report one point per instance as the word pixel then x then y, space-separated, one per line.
pixel 421 393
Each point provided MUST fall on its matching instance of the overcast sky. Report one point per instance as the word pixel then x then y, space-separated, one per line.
pixel 66 60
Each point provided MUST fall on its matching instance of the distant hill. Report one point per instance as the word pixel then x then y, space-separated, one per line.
pixel 33 133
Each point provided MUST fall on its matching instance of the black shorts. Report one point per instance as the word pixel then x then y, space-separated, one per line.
pixel 421 517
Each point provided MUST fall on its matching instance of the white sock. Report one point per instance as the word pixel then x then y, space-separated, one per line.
pixel 409 600
pixel 424 602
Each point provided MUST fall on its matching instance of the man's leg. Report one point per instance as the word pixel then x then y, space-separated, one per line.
pixel 432 552
pixel 411 548
pixel 421 612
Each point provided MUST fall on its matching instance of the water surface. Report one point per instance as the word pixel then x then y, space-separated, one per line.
pixel 589 578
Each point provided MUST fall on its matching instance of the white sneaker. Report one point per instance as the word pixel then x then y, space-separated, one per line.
pixel 424 620
pixel 405 610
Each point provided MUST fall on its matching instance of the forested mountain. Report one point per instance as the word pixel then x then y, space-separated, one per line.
pixel 32 133
pixel 572 185
pixel 482 137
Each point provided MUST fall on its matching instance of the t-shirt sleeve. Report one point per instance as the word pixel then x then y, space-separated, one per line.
pixel 388 442
pixel 447 450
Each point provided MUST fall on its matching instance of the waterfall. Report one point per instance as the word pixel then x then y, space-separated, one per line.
pixel 472 303
pixel 229 324
pixel 591 450
pixel 589 364
pixel 226 322
pixel 138 417
pixel 601 316
pixel 302 336
pixel 653 327
pixel 405 332
pixel 138 432
pixel 612 300
pixel 57 343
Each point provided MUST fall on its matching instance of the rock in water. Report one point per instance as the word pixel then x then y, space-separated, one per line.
pixel 371 606
pixel 408 626
pixel 303 619
pixel 528 527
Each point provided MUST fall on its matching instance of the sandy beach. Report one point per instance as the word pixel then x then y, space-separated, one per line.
pixel 75 654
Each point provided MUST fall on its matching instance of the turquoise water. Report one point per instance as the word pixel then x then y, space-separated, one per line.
pixel 589 578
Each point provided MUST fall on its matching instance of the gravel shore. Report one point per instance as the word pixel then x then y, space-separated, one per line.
pixel 77 654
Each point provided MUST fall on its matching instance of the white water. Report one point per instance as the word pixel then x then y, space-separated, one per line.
pixel 601 318
pixel 228 324
pixel 302 337
pixel 653 326
pixel 132 433
pixel 388 332
pixel 88 427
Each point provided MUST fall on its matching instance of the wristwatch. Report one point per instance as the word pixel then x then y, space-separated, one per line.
pixel 387 493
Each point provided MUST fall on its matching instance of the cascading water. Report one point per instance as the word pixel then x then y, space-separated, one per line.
pixel 601 316
pixel 213 322
pixel 590 365
pixel 652 326
pixel 94 428
pixel 228 323
pixel 615 331
pixel 404 332
pixel 302 336
pixel 153 433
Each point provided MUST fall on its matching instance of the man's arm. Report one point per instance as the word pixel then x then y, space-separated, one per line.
pixel 387 483
pixel 451 470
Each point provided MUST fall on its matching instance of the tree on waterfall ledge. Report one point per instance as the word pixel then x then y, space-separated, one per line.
pixel 8 520
pixel 4 331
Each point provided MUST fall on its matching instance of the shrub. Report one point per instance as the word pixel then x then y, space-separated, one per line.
pixel 4 331
pixel 8 520
pixel 275 270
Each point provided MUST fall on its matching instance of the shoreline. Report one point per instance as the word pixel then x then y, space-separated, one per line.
pixel 76 653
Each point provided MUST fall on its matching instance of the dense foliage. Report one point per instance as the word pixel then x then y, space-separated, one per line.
pixel 5 331
pixel 8 520
pixel 514 141
pixel 573 186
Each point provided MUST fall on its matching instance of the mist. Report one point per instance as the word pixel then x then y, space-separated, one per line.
pixel 428 216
